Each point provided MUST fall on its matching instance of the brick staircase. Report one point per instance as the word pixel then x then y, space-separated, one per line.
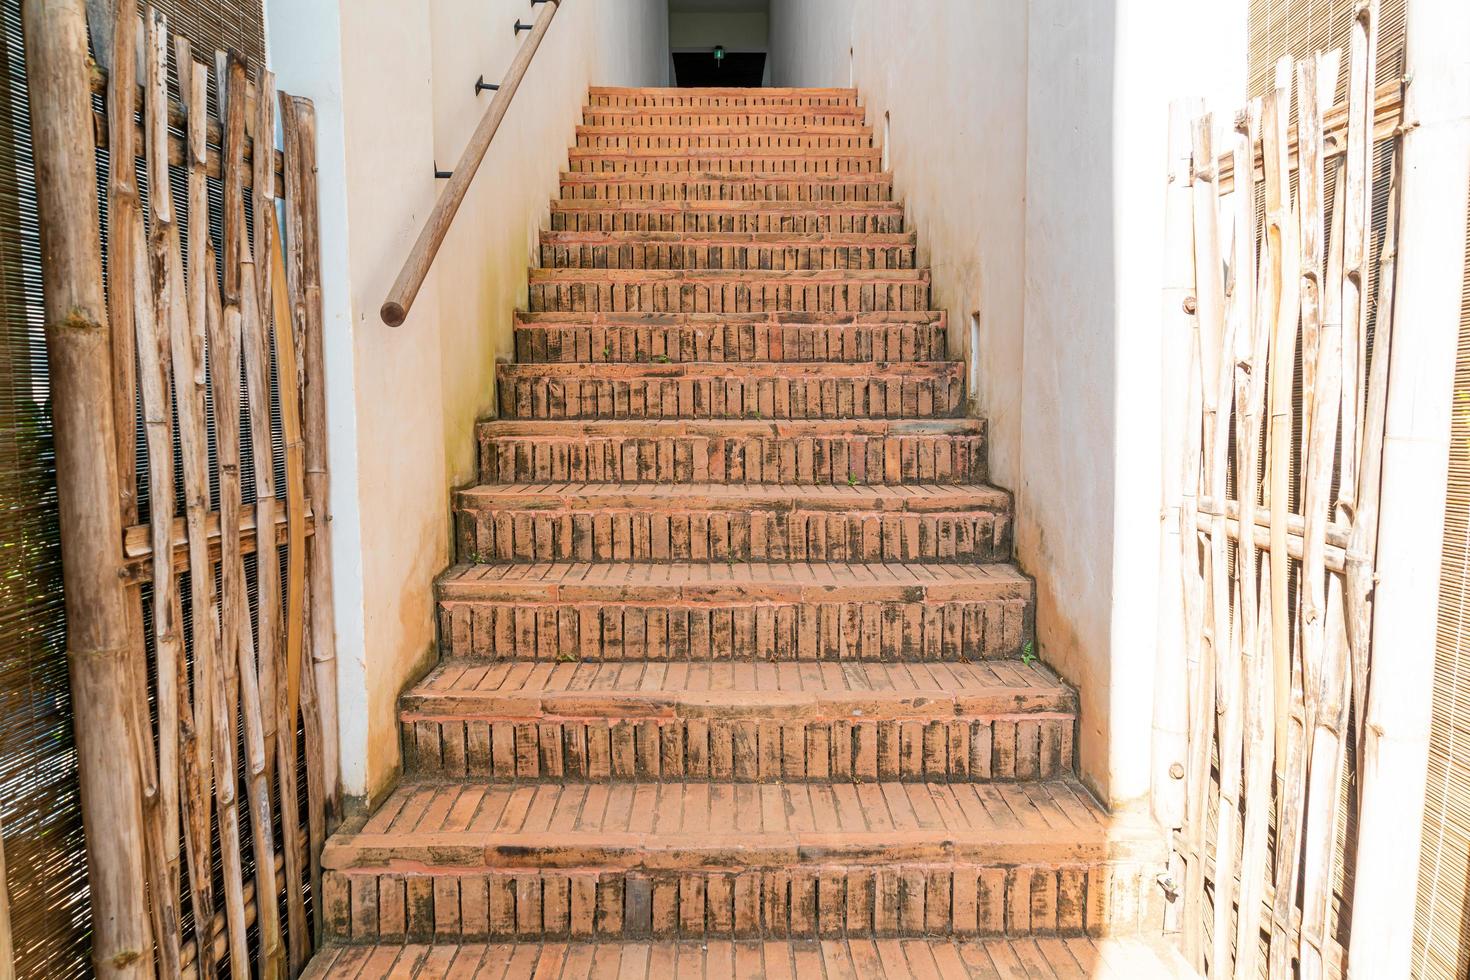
pixel 735 661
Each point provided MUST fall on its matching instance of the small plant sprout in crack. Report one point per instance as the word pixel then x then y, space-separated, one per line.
pixel 1028 653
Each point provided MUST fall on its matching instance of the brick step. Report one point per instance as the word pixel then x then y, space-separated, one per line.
pixel 735 522
pixel 746 722
pixel 727 187
pixel 725 250
pixel 615 338
pixel 699 117
pixel 878 612
pixel 727 290
pixel 697 390
pixel 685 137
pixel 854 451
pixel 839 958
pixel 791 217
pixel 690 860
pixel 735 160
pixel 721 95
pixel 1042 958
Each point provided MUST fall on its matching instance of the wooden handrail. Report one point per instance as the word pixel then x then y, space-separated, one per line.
pixel 416 268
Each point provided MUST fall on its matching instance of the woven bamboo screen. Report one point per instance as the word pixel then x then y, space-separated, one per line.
pixel 1442 919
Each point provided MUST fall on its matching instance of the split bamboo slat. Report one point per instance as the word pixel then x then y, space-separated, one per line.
pixel 215 359
pixel 1280 455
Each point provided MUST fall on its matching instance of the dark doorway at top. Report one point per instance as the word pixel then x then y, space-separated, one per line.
pixel 698 69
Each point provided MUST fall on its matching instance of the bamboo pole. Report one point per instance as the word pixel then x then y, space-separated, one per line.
pixel 303 285
pixel 1198 648
pixel 1363 542
pixel 1171 694
pixel 1323 656
pixel 1283 302
pixel 194 753
pixel 1417 415
pixel 116 34
pixel 81 369
pixel 226 327
pixel 318 473
pixel 1216 374
pixel 213 701
pixel 1236 370
pixel 1258 708
pixel 123 213
pixel 288 691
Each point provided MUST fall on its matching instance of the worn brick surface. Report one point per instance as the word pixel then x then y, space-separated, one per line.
pixel 732 522
pixel 837 958
pixel 739 677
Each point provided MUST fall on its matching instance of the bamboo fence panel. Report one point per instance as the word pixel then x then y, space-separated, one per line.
pixel 219 463
pixel 1280 451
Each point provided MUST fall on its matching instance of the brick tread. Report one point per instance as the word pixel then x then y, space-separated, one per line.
pixel 1048 958
pixel 931 498
pixel 670 825
pixel 762 690
pixel 707 581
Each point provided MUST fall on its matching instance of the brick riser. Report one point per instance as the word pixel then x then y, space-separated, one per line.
pixel 726 343
pixel 701 534
pixel 751 160
pixel 1015 747
pixel 796 118
pixel 882 631
pixel 569 250
pixel 733 217
pixel 727 137
pixel 726 187
pixel 902 899
pixel 566 391
pixel 700 291
pixel 752 456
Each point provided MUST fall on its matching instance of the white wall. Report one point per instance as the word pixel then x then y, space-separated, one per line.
pixel 393 85
pixel 1027 142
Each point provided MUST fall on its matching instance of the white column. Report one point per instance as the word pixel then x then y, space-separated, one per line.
pixel 1436 170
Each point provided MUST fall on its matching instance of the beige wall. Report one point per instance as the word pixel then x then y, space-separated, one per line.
pixel 737 31
pixel 393 81
pixel 1027 144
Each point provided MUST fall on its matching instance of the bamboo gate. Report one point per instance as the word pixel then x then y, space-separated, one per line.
pixel 1278 323
pixel 205 700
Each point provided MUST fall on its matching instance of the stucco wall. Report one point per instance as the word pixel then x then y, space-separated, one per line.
pixel 393 84
pixel 1027 142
